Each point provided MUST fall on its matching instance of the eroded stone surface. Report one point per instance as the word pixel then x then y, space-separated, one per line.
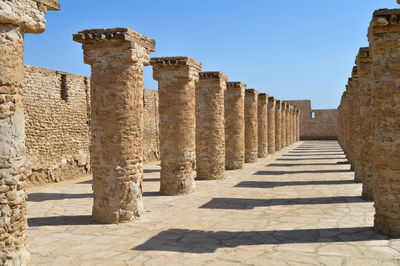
pixel 251 125
pixel 210 128
pixel 271 125
pixel 262 114
pixel 176 78
pixel 234 125
pixel 117 60
pixel 278 125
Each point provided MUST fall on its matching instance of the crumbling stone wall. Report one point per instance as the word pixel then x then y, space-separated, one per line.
pixel 57 125
pixel 322 127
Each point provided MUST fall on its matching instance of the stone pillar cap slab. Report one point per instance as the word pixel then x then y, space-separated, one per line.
pixel 263 98
pixel 212 75
pixel 235 84
pixel 175 61
pixel 271 98
pixel 50 4
pixel 252 91
pixel 93 36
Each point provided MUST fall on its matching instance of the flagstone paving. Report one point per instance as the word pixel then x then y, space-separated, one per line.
pixel 298 207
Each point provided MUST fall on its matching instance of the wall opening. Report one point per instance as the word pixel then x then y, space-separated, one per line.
pixel 64 88
pixel 313 115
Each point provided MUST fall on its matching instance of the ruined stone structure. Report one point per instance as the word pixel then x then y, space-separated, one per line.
pixel 262 113
pixel 251 125
pixel 278 126
pixel 288 125
pixel 384 36
pixel 297 124
pixel 16 19
pixel 176 78
pixel 117 57
pixel 315 124
pixel 271 124
pixel 210 129
pixel 283 125
pixel 234 125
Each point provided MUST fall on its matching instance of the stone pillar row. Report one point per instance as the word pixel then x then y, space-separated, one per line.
pixel 369 120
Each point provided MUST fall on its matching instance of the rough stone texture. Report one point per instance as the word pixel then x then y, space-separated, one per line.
pixel 288 124
pixel 298 125
pixel 322 127
pixel 234 125
pixel 176 78
pixel 117 57
pixel 16 18
pixel 271 125
pixel 210 126
pixel 278 126
pixel 251 126
pixel 384 36
pixel 284 125
pixel 56 125
pixel 355 123
pixel 262 113
pixel 365 170
pixel 151 132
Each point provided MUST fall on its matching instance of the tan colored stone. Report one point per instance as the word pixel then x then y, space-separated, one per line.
pixel 262 114
pixel 251 126
pixel 278 125
pixel 210 131
pixel 117 57
pixel 271 125
pixel 176 78
pixel 284 124
pixel 234 125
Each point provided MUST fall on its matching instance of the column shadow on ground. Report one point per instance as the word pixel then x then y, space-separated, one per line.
pixel 299 164
pixel 300 172
pixel 199 241
pixel 267 184
pixel 61 220
pixel 312 154
pixel 40 197
pixel 311 158
pixel 248 204
pixel 148 171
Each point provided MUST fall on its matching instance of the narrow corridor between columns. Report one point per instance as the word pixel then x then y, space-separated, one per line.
pixel 299 205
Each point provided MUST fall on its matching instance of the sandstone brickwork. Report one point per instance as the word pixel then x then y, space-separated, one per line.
pixel 384 36
pixel 298 125
pixel 210 126
pixel 17 17
pixel 364 170
pixel 117 57
pixel 234 125
pixel 278 126
pixel 271 125
pixel 251 125
pixel 176 78
pixel 151 132
pixel 284 125
pixel 262 113
pixel 323 126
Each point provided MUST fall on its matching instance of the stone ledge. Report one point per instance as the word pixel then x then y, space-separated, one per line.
pixel 263 97
pixel 235 84
pixel 364 52
pixel 177 60
pixel 251 91
pixel 92 36
pixel 385 17
pixel 50 4
pixel 212 75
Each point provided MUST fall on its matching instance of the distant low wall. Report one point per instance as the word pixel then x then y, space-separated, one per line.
pixel 316 124
pixel 57 125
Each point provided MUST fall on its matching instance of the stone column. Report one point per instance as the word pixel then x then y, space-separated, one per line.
pixel 288 129
pixel 384 36
pixel 262 113
pixel 16 19
pixel 177 77
pixel 278 126
pixel 283 125
pixel 294 134
pixel 234 125
pixel 116 57
pixel 289 125
pixel 271 124
pixel 365 170
pixel 210 126
pixel 298 125
pixel 251 127
pixel 355 125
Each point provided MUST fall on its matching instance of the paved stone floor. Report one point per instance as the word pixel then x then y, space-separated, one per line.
pixel 298 207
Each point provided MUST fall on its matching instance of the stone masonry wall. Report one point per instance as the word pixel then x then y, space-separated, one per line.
pixel 57 130
pixel 322 126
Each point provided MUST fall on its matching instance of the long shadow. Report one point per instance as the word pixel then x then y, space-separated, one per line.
pixel 152 194
pixel 199 241
pixel 148 171
pixel 248 204
pixel 312 154
pixel 307 159
pixel 300 172
pixel 266 184
pixel 151 179
pixel 298 164
pixel 39 197
pixel 314 151
pixel 88 182
pixel 61 220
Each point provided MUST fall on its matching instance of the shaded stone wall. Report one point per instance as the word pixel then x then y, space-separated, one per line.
pixel 322 126
pixel 57 130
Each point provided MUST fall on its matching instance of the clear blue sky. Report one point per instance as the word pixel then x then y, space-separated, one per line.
pixel 289 49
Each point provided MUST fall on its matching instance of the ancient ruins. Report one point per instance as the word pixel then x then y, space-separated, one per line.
pixel 196 126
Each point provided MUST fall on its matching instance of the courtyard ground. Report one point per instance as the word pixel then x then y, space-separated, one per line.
pixel 300 206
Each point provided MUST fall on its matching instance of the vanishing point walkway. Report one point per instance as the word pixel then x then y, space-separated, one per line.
pixel 298 207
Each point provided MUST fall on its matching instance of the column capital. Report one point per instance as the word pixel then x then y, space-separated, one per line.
pixel 212 80
pixel 385 19
pixel 213 75
pixel 169 62
pixel 236 84
pixel 263 98
pixel 251 91
pixel 27 14
pixel 179 67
